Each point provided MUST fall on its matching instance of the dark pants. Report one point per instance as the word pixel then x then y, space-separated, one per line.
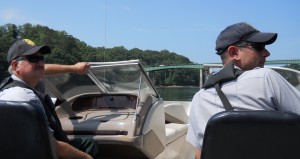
pixel 87 145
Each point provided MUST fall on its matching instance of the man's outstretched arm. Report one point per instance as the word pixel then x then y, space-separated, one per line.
pixel 54 69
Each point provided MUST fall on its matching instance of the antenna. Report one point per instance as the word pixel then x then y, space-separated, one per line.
pixel 105 30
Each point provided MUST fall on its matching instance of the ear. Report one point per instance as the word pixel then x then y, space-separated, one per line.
pixel 233 52
pixel 14 64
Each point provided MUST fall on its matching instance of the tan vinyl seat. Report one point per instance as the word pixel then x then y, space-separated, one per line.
pixel 176 121
pixel 176 113
pixel 174 131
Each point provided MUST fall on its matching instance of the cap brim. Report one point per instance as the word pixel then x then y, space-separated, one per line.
pixel 42 49
pixel 265 38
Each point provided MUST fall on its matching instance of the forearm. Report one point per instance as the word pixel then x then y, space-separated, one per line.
pixel 54 69
pixel 66 151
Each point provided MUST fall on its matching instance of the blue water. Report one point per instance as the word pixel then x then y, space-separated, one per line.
pixel 177 93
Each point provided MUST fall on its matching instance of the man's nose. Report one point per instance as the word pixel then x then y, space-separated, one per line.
pixel 265 53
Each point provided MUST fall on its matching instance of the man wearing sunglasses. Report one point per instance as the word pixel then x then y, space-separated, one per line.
pixel 242 47
pixel 27 69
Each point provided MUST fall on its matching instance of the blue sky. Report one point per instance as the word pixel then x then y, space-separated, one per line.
pixel 186 27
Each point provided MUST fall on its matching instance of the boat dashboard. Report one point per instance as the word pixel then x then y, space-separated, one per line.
pixel 105 101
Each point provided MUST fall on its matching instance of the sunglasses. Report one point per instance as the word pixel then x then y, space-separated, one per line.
pixel 257 47
pixel 32 58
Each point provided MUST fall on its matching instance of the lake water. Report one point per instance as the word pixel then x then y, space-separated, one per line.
pixel 177 93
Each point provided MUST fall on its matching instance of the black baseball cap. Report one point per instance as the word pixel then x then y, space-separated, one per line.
pixel 239 32
pixel 24 47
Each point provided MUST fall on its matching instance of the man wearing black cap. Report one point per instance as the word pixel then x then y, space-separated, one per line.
pixel 251 87
pixel 27 68
pixel 244 36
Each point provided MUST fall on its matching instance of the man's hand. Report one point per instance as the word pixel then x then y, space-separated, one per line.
pixel 81 67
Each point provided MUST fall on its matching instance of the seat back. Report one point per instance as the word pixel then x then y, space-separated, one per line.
pixel 252 135
pixel 24 132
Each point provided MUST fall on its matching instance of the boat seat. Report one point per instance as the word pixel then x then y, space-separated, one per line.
pixel 176 121
pixel 252 135
pixel 24 132
pixel 176 113
pixel 174 131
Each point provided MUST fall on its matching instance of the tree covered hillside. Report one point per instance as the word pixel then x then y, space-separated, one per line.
pixel 66 49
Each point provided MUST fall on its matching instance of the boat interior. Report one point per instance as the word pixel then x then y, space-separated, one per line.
pixel 117 106
pixel 152 129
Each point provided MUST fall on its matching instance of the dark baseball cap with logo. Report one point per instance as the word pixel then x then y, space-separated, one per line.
pixel 25 47
pixel 242 32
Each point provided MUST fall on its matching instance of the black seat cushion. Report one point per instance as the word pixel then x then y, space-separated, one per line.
pixel 24 132
pixel 252 135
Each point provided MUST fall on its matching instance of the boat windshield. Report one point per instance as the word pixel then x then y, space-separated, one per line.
pixel 103 77
pixel 123 78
